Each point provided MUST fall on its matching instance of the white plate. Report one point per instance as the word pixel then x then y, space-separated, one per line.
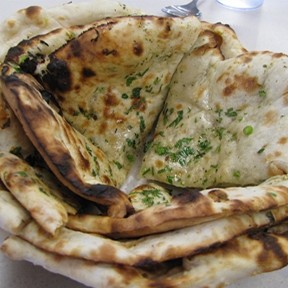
pixel 261 29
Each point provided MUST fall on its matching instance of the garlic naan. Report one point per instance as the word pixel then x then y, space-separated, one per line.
pixel 230 116
pixel 110 93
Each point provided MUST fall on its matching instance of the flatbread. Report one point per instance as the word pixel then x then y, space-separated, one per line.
pixel 267 252
pixel 120 73
pixel 186 209
pixel 111 94
pixel 72 158
pixel 35 20
pixel 142 252
pixel 13 216
pixel 24 184
pixel 230 121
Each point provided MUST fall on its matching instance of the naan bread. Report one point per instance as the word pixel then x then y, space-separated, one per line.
pixel 230 117
pixel 111 93
pixel 186 209
pixel 227 39
pixel 152 249
pixel 13 216
pixel 76 162
pixel 24 184
pixel 108 88
pixel 35 20
pixel 215 268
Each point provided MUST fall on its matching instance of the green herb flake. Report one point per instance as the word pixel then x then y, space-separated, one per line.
pixel 142 124
pixel 219 131
pixel 89 150
pixel 21 173
pixel 131 143
pixel 236 174
pixel 248 130
pixel 130 79
pixel 130 157
pixel 164 170
pixel 177 120
pixel 231 112
pixel 23 58
pixel 272 194
pixel 161 150
pixel 136 92
pixel 124 96
pixel 170 179
pixel 146 171
pixel 260 151
pixel 151 197
pixel 262 93
pixel 118 164
pixel 182 156
pixel 184 141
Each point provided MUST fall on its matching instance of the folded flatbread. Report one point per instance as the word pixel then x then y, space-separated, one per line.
pixel 110 93
pixel 76 162
pixel 230 116
pixel 187 208
pixel 35 20
pixel 154 249
pixel 21 180
pixel 31 21
pixel 13 216
pixel 102 89
pixel 215 268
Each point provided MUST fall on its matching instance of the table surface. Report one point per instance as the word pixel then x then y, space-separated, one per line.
pixel 260 29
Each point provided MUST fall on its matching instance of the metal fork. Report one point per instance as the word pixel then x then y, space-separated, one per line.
pixel 183 10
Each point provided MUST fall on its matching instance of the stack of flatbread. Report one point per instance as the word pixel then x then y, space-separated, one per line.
pixel 181 102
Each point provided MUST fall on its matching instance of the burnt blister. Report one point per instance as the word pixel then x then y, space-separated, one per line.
pixel 58 76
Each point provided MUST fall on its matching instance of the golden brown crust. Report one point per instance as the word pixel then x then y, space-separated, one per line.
pixel 189 208
pixel 37 198
pixel 243 256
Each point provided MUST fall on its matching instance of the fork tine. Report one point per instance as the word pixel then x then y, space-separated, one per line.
pixel 176 11
pixel 183 10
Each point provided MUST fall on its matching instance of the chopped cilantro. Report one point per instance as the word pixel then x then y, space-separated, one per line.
pixel 118 164
pixel 130 157
pixel 161 150
pixel 170 179
pixel 184 141
pixel 131 143
pixel 262 93
pixel 236 174
pixel 177 120
pixel 124 96
pixel 130 79
pixel 231 112
pixel 136 92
